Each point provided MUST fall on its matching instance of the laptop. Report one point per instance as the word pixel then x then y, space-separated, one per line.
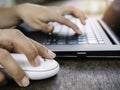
pixel 100 37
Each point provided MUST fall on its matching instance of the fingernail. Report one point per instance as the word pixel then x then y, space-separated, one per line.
pixel 83 22
pixel 53 55
pixel 25 81
pixel 37 61
pixel 79 32
pixel 85 16
pixel 50 27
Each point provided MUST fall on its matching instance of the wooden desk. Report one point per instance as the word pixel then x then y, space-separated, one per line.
pixel 88 74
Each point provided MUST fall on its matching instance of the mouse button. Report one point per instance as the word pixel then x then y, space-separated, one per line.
pixel 22 61
pixel 46 66
pixel 24 64
pixel 42 60
pixel 49 64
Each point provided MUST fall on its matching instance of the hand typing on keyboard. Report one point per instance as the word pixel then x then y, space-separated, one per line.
pixel 44 14
pixel 64 30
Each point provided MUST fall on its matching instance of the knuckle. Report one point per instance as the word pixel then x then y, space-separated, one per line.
pixel 71 8
pixel 66 21
pixel 44 27
pixel 32 54
pixel 16 32
pixel 37 28
pixel 3 54
pixel 63 20
pixel 48 28
pixel 55 18
pixel 44 48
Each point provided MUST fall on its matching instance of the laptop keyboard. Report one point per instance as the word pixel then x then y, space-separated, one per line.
pixel 63 35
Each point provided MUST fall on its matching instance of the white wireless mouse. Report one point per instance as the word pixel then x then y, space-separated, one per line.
pixel 47 68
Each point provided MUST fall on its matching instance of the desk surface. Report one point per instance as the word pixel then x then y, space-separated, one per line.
pixel 88 74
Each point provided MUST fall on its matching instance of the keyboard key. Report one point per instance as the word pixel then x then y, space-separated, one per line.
pixel 57 28
pixel 92 42
pixel 61 42
pixel 80 25
pixel 93 38
pixel 63 31
pixel 71 32
pixel 99 39
pixel 83 42
pixel 54 41
pixel 65 35
pixel 101 42
pixel 71 42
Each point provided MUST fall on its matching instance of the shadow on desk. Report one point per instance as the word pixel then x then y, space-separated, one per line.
pixel 88 74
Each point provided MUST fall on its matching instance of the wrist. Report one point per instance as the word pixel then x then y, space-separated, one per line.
pixel 15 13
pixel 8 17
pixel 19 9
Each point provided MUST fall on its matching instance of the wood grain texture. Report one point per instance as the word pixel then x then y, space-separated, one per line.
pixel 90 74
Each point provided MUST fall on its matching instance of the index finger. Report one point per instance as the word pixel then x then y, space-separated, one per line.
pixel 65 21
pixel 75 12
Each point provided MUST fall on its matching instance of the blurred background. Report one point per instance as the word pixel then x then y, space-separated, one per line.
pixel 90 7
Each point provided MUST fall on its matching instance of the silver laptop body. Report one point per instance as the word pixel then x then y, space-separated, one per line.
pixel 100 37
